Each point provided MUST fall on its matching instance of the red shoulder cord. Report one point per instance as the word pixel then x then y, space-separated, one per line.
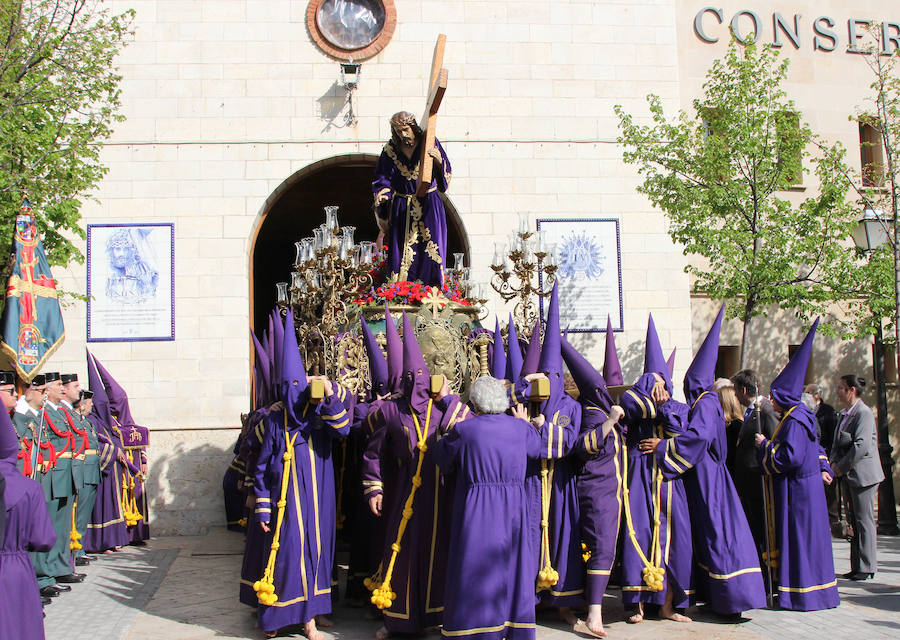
pixel 46 446
pixel 70 441
pixel 25 456
pixel 85 442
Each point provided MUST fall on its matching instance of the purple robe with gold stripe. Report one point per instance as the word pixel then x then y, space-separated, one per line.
pixel 792 463
pixel 728 575
pixel 304 558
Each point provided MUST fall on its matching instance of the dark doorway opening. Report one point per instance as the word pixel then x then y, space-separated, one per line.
pixel 297 207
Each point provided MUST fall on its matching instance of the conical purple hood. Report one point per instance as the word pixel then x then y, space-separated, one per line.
pixel 394 348
pixel 100 410
pixel 533 351
pixel 654 361
pixel 513 353
pixel 416 377
pixel 262 383
pixel 378 366
pixel 117 398
pixel 670 362
pixel 293 373
pixel 591 385
pixel 278 344
pixel 498 360
pixel 551 356
pixel 612 370
pixel 702 372
pixel 787 387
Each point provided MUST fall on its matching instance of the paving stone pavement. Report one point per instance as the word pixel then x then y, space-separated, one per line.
pixel 185 588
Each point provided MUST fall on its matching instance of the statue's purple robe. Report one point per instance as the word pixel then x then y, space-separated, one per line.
pixel 303 565
pixel 599 488
pixel 563 422
pixel 491 561
pixel 106 528
pixel 232 482
pixel 395 176
pixel 643 420
pixel 27 528
pixel 728 577
pixel 793 461
pixel 420 568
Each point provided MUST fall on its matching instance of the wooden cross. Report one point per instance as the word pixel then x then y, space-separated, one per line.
pixel 436 88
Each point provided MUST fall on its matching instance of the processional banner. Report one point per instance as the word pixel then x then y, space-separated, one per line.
pixel 32 320
pixel 589 260
pixel 130 282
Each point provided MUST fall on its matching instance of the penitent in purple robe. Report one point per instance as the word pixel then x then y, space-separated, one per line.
pixel 599 496
pixel 106 528
pixel 254 560
pixel 649 497
pixel 491 562
pixel 792 462
pixel 303 564
pixel 728 575
pixel 422 221
pixel 27 528
pixel 390 462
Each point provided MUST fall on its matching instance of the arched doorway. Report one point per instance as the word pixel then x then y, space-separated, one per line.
pixel 295 208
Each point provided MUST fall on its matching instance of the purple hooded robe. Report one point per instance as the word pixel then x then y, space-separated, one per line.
pixel 27 528
pixel 793 461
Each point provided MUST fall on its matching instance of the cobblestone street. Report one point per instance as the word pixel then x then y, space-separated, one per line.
pixel 185 588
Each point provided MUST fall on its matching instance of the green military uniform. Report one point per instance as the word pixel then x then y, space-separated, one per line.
pixel 88 464
pixel 60 491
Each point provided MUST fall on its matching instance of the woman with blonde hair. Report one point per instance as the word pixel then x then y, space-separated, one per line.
pixel 734 418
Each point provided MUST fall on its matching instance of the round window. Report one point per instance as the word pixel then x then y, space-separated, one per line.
pixel 351 28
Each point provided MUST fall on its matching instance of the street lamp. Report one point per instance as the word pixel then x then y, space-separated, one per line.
pixel 870 233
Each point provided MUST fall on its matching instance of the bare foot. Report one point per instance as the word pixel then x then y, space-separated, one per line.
pixel 310 631
pixel 671 614
pixel 589 629
pixel 637 616
pixel 382 634
pixel 270 634
pixel 566 615
pixel 324 622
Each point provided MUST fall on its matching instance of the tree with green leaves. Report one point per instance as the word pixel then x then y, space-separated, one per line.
pixel 723 175
pixel 59 98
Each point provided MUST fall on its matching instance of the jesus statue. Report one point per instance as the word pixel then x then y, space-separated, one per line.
pixel 414 227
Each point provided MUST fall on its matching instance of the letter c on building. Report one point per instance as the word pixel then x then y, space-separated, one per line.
pixel 698 23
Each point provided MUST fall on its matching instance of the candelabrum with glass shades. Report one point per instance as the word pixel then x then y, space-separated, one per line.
pixel 524 270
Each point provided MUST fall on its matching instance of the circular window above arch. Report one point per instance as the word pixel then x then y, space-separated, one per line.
pixel 356 29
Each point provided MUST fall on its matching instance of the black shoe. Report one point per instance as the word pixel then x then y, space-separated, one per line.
pixel 62 588
pixel 82 561
pixel 848 575
pixel 72 578
pixel 859 576
pixel 45 600
pixel 50 592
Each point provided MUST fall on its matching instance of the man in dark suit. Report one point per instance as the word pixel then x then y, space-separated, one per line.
pixel 827 419
pixel 854 458
pixel 759 418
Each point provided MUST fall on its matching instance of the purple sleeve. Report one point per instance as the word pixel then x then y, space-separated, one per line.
pixel 637 407
pixel 41 536
pixel 371 462
pixel 447 450
pixel 441 174
pixel 781 454
pixel 453 410
pixel 590 440
pixel 334 413
pixel 824 466
pixel 381 184
pixel 263 511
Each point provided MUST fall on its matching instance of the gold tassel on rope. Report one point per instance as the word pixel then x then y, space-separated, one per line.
pixel 382 596
pixel 74 537
pixel 265 586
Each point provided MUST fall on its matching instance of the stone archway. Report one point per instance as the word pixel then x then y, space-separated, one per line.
pixel 295 208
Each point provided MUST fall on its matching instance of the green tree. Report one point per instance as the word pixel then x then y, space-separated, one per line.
pixel 59 98
pixel 722 176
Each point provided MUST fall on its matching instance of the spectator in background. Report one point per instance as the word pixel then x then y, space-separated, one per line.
pixel 854 459
pixel 734 420
pixel 827 419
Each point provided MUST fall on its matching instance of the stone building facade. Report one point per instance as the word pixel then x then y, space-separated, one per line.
pixel 236 132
